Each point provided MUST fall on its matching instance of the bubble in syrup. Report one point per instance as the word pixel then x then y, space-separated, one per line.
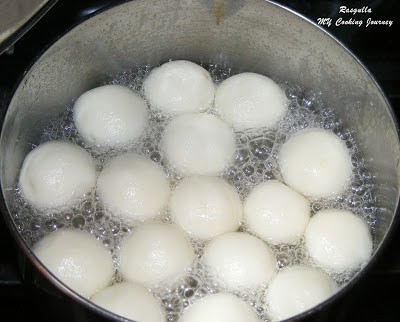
pixel 78 221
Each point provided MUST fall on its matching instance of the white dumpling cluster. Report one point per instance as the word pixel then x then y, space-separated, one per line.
pixel 133 186
pixel 200 208
pixel 110 116
pixel 206 206
pixel 77 258
pixel 130 301
pixel 200 143
pixel 316 163
pixel 178 87
pixel 155 253
pixel 56 173
pixel 297 289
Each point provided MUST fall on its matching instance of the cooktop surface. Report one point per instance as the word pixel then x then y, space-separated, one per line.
pixel 369 28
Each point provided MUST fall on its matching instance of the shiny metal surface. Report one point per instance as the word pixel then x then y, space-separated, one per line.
pixel 256 36
pixel 14 17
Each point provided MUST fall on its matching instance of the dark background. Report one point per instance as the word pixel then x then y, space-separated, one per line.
pixel 374 298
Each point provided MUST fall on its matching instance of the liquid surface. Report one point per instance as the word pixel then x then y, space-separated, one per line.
pixel 255 161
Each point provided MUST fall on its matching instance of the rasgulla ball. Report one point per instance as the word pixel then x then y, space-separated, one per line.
pixel 316 163
pixel 77 258
pixel 297 289
pixel 276 213
pixel 239 260
pixel 206 206
pixel 130 301
pixel 133 186
pixel 198 144
pixel 110 116
pixel 219 307
pixel 250 100
pixel 56 173
pixel 338 240
pixel 179 87
pixel 155 253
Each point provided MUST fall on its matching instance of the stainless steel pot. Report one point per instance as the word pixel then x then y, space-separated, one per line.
pixel 252 35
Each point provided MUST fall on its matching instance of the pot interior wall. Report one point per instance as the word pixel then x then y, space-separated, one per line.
pixel 249 35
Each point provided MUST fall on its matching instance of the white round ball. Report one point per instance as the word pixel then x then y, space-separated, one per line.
pixel 134 187
pixel 250 100
pixel 276 213
pixel 338 240
pixel 297 289
pixel 77 258
pixel 206 206
pixel 316 163
pixel 56 173
pixel 179 87
pixel 155 253
pixel 110 116
pixel 198 144
pixel 219 307
pixel 130 301
pixel 240 260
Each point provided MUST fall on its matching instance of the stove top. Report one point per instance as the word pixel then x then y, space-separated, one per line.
pixel 369 28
